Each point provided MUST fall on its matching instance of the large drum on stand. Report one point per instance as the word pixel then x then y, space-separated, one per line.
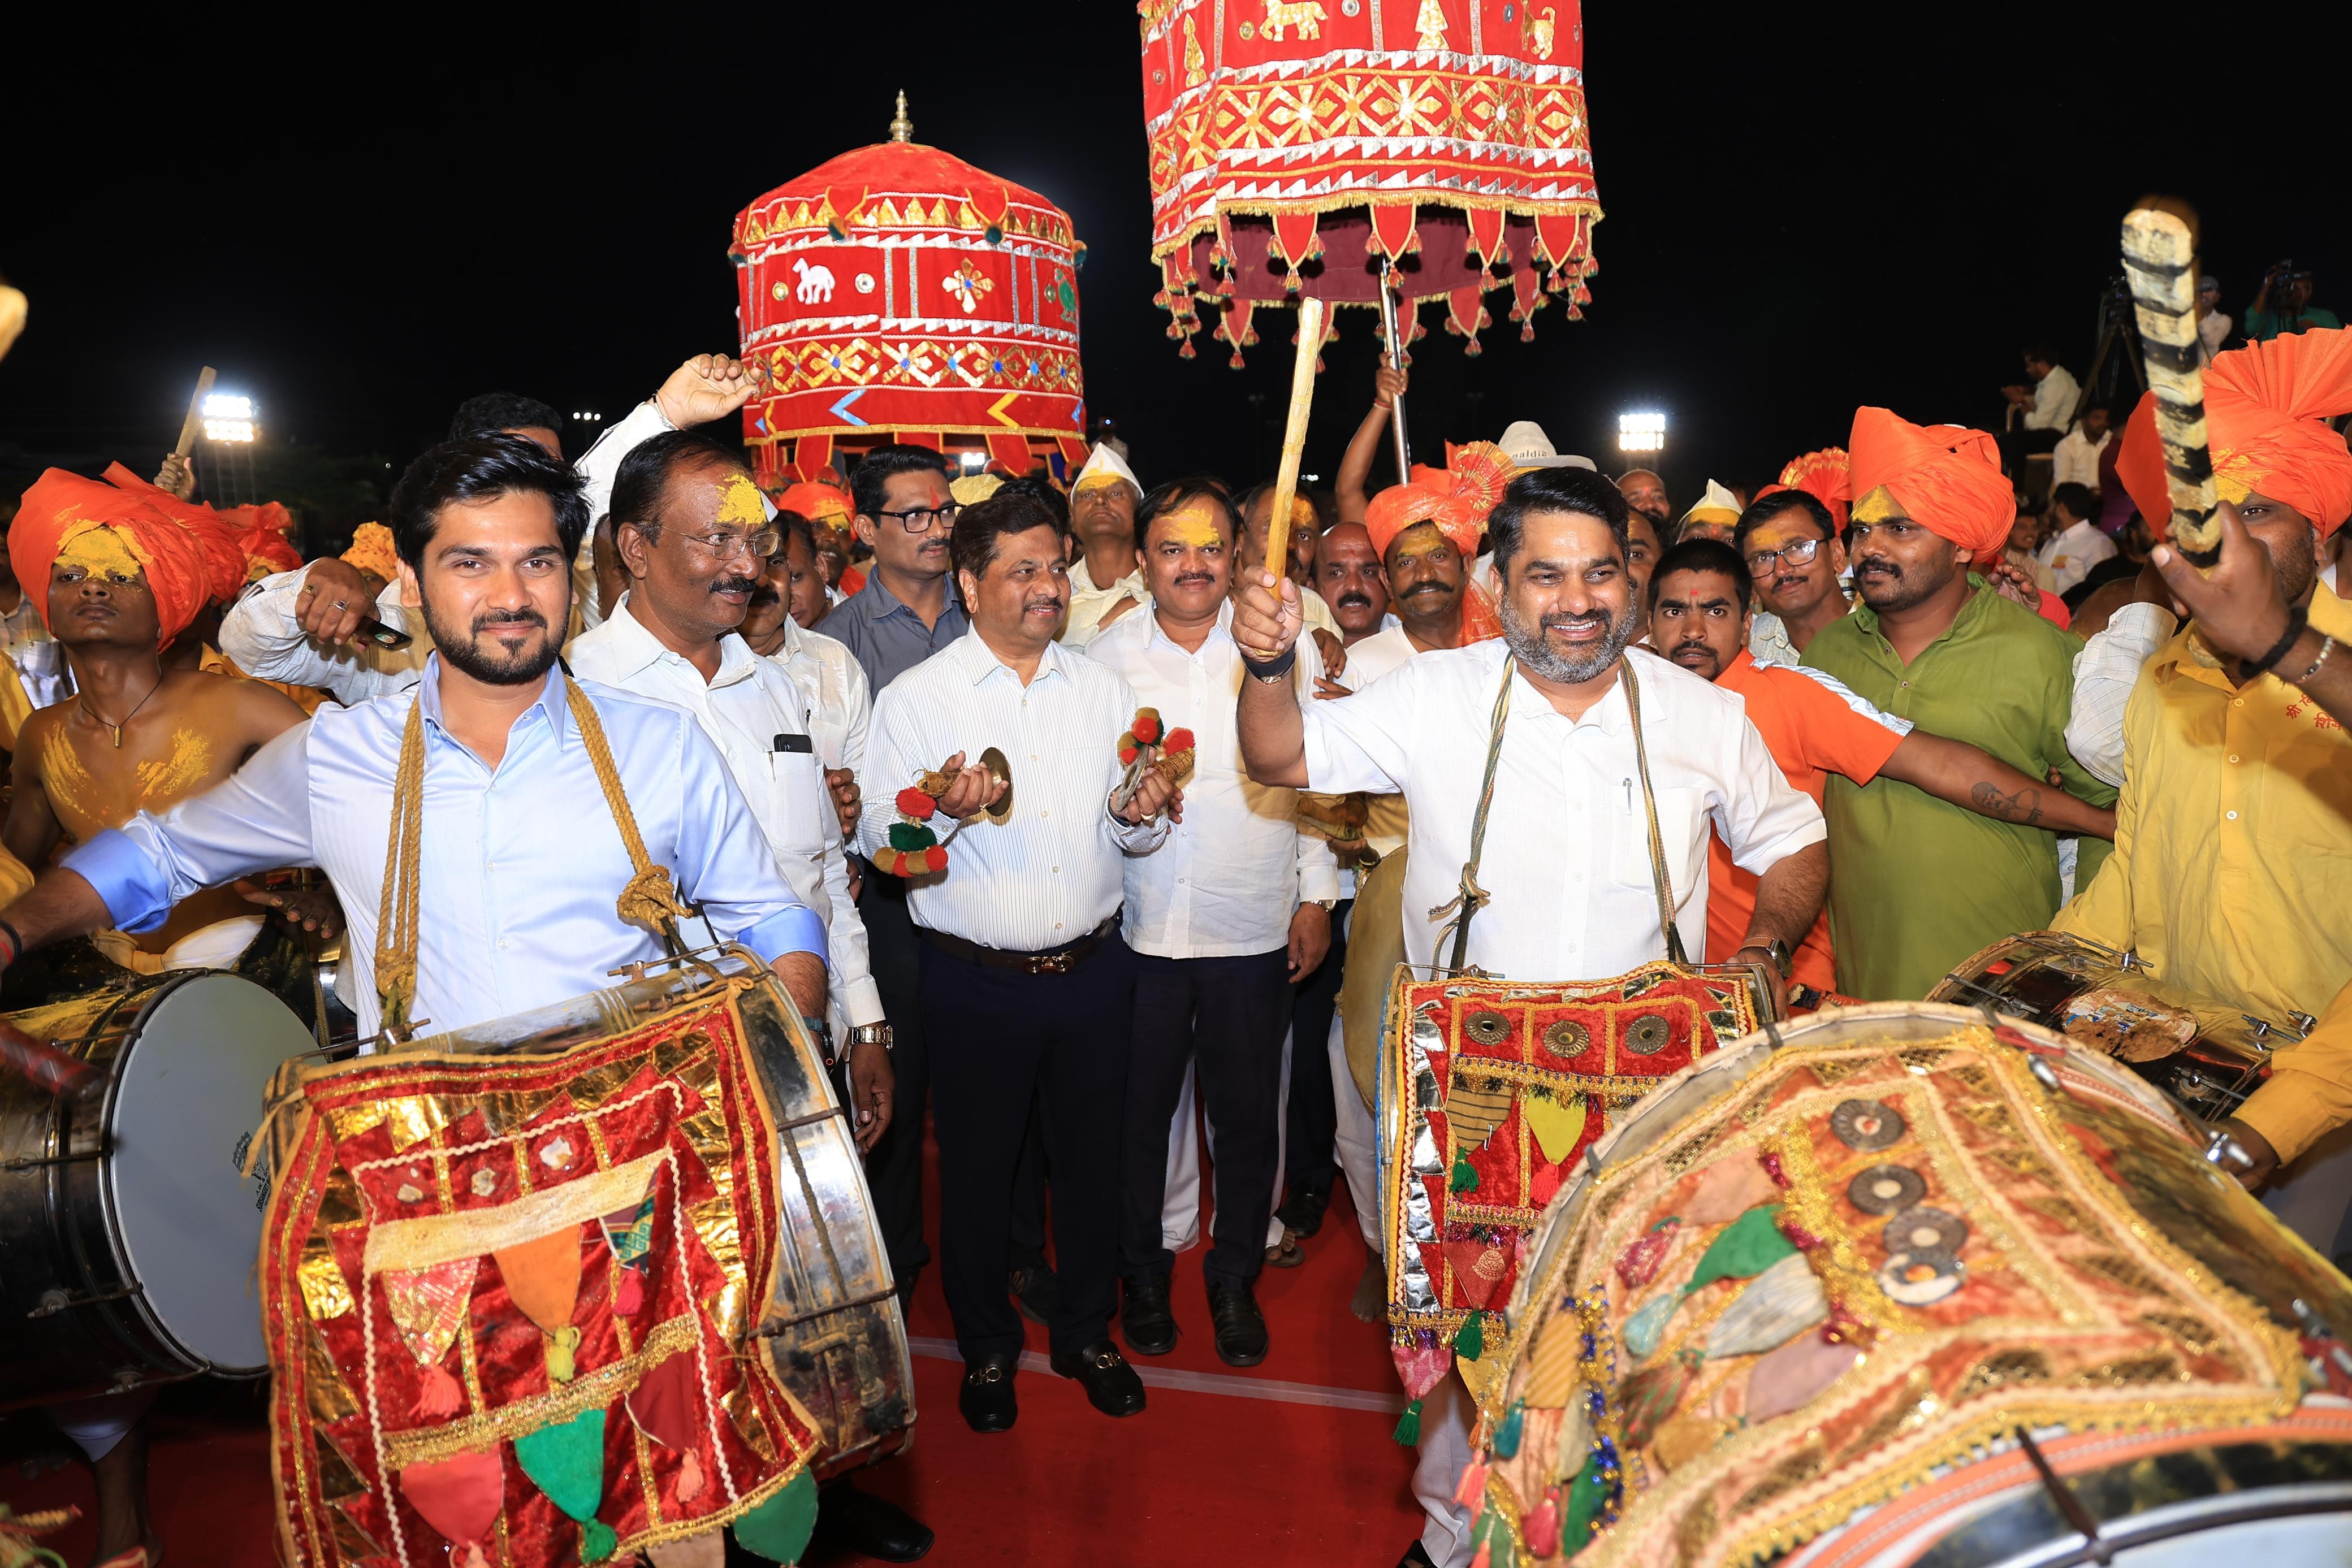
pixel 127 1225
pixel 1900 1284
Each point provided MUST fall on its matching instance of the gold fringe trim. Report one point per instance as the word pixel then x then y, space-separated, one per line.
pixel 590 1391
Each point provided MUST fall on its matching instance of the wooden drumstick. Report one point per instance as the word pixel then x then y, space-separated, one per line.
pixel 2161 263
pixel 1294 438
pixel 195 413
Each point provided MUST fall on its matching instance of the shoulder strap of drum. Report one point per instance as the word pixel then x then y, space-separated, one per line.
pixel 1470 898
pixel 650 899
pixel 1659 880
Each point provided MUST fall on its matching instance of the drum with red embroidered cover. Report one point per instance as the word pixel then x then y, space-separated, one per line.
pixel 1490 1091
pixel 1900 1285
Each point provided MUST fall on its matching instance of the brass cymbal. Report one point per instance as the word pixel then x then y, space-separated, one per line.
pixel 992 761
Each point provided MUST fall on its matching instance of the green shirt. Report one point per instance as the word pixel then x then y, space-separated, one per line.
pixel 1918 884
pixel 2262 326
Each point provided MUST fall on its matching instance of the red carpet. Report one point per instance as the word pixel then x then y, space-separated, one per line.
pixel 1200 1477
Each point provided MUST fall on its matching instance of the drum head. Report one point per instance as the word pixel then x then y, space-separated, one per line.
pixel 189 1096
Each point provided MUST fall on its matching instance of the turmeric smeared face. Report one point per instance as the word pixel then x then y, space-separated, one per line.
pixel 98 593
pixel 1188 559
pixel 739 507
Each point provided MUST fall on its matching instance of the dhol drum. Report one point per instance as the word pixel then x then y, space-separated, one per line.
pixel 2205 1053
pixel 832 1326
pixel 1897 1285
pixel 127 1225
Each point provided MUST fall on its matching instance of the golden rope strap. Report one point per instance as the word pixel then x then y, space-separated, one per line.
pixel 650 899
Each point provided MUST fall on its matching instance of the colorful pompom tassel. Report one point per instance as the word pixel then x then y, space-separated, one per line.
pixel 440 1398
pixel 1408 1426
pixel 1486 1557
pixel 1470 1339
pixel 1472 1492
pixel 1541 1527
pixel 690 1480
pixel 560 1346
pixel 597 1540
pixel 1466 1176
pixel 1506 1436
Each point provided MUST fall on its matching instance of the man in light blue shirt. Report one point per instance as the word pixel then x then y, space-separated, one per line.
pixel 521 859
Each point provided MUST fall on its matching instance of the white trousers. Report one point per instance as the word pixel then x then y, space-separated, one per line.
pixel 1446 1415
pixel 1359 1156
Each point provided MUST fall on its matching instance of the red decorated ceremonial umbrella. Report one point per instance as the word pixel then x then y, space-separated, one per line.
pixel 896 293
pixel 1296 145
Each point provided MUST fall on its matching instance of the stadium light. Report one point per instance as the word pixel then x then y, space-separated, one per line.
pixel 229 416
pixel 1641 433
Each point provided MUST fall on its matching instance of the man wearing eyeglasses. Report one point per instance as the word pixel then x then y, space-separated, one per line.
pixel 907 610
pixel 692 534
pixel 1788 540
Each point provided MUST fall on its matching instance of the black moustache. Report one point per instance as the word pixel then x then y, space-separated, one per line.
pixel 510 618
pixel 1184 577
pixel 763 597
pixel 1355 601
pixel 1422 588
pixel 736 585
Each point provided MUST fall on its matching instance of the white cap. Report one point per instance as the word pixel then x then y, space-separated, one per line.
pixel 1718 505
pixel 1103 464
pixel 1526 444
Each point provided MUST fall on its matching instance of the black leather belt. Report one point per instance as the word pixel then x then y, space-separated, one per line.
pixel 1058 960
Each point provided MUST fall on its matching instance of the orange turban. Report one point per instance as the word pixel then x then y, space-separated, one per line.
pixel 2263 406
pixel 1455 498
pixel 61 509
pixel 1826 475
pixel 1946 478
pixel 261 533
pixel 819 504
pixel 224 558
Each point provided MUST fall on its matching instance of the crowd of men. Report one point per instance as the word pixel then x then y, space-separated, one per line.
pixel 1876 747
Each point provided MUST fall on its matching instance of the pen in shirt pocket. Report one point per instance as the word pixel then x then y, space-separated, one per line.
pixel 1628 783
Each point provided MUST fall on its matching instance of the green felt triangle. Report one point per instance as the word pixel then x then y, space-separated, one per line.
pixel 1743 1248
pixel 779 1528
pixel 566 1461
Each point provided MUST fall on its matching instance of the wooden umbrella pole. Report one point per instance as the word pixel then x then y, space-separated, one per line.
pixel 195 413
pixel 1294 437
pixel 1396 362
pixel 2162 268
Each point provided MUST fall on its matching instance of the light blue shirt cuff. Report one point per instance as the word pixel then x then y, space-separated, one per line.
pixel 133 888
pixel 798 929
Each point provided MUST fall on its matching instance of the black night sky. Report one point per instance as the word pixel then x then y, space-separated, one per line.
pixel 1807 209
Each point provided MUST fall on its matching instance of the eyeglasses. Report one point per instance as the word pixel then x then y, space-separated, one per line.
pixel 1764 562
pixel 923 520
pixel 727 547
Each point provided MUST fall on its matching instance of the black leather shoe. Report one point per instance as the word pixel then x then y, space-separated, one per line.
pixel 1302 1212
pixel 849 1521
pixel 1415 1556
pixel 1112 1386
pixel 1037 1288
pixel 986 1398
pixel 1146 1318
pixel 1239 1326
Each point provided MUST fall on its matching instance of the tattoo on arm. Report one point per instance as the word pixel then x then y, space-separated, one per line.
pixel 2025 806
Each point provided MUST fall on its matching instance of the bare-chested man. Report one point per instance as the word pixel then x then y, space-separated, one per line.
pixel 122 581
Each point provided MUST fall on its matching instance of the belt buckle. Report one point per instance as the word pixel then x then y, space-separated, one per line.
pixel 1053 964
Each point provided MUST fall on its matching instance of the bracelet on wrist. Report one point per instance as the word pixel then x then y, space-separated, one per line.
pixel 1274 669
pixel 2327 646
pixel 16 943
pixel 2296 625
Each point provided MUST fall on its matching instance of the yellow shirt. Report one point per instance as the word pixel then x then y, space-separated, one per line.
pixel 2233 858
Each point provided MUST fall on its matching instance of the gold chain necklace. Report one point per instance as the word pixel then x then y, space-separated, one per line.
pixel 116 729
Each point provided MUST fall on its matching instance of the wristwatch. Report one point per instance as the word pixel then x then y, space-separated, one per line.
pixel 872 1034
pixel 1326 905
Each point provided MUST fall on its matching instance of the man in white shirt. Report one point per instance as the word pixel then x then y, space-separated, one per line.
pixel 23 639
pixel 1223 917
pixel 1026 985
pixel 2075 545
pixel 1573 897
pixel 1104 581
pixel 778 627
pixel 2041 411
pixel 2076 459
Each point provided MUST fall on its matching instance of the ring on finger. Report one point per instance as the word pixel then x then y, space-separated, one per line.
pixel 342 603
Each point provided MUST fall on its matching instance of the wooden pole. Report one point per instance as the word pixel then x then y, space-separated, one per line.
pixel 1396 362
pixel 195 413
pixel 2162 268
pixel 1294 438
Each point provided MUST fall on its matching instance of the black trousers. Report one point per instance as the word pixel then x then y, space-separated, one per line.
pixel 1228 1015
pixel 1001 1041
pixel 2016 446
pixel 894 1171
pixel 1312 1124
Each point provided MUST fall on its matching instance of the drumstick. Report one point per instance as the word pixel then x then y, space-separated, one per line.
pixel 195 412
pixel 2162 266
pixel 44 1063
pixel 1294 437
